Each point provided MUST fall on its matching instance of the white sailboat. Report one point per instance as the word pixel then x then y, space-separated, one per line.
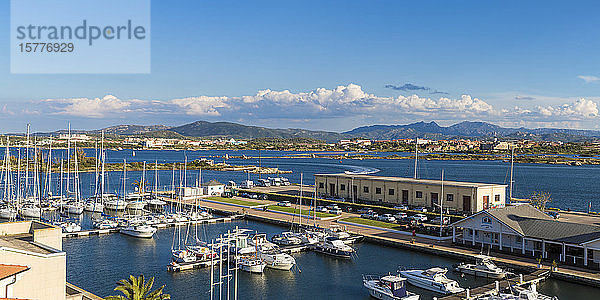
pixel 96 203
pixel 8 210
pixel 116 203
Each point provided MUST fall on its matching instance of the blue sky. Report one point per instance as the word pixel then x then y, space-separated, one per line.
pixel 513 63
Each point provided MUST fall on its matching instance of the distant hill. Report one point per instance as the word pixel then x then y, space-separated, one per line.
pixel 234 130
pixel 424 130
pixel 431 130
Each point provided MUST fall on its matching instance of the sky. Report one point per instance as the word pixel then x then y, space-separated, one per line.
pixel 333 65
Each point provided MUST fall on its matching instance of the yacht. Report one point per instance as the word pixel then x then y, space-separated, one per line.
pixel 277 260
pixel 136 201
pixel 337 231
pixel 433 279
pixel 259 241
pixel 68 226
pixel 93 206
pixel 483 267
pixel 106 224
pixel 519 293
pixel 7 212
pixel 138 228
pixel 388 287
pixel 115 204
pixel 335 247
pixel 72 208
pixel 183 256
pixel 287 239
pixel 251 264
pixel 30 211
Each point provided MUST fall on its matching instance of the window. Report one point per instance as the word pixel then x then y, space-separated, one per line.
pixel 486 220
pixel 419 194
pixel 321 185
pixel 496 198
pixel 365 189
pixel 450 197
pixel 342 187
pixel 377 190
pixel 391 192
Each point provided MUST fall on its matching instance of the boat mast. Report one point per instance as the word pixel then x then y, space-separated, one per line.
pixel 124 181
pixel 300 204
pixel 76 175
pixel 27 164
pixel 442 205
pixel 416 155
pixel 68 158
pixel 512 156
pixel 102 157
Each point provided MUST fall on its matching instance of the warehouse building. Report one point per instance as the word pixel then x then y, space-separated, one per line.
pixel 468 197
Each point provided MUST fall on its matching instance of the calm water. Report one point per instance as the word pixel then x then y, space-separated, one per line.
pixel 97 262
pixel 571 187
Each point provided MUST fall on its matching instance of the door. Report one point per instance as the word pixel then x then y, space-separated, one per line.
pixel 467 203
pixel 404 197
pixel 434 199
pixel 354 191
pixel 332 189
pixel 486 202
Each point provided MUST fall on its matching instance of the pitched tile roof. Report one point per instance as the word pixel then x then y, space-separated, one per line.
pixel 10 270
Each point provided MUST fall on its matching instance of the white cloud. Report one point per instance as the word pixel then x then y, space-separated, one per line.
pixel 344 104
pixel 92 108
pixel 588 78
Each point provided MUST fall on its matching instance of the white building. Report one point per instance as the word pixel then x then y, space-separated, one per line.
pixel 527 231
pixel 213 187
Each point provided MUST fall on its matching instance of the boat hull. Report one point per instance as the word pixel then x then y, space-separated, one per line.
pixel 480 273
pixel 30 213
pixel 334 252
pixel 258 268
pixel 138 234
pixel 94 207
pixel 8 214
pixel 427 284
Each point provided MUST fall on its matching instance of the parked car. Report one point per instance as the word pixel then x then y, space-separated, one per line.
pixel 285 181
pixel 332 206
pixel 263 197
pixel 387 218
pixel 421 209
pixel 245 195
pixel 337 211
pixel 400 216
pixel 364 211
pixel 322 209
pixel 253 196
pixel 227 194
pixel 553 214
pixel 372 215
pixel 284 203
pixel 419 217
pixel 404 207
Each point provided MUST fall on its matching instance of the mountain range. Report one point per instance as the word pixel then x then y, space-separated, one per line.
pixel 425 130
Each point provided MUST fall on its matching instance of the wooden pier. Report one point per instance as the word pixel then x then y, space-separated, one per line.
pixel 177 267
pixel 162 225
pixel 519 280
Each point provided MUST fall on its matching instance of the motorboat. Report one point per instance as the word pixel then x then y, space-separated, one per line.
pixel 519 293
pixel 251 264
pixel 286 239
pixel 337 231
pixel 68 226
pixel 483 267
pixel 389 287
pixel 106 224
pixel 138 228
pixel 335 247
pixel 260 241
pixel 136 201
pixel 433 279
pixel 277 260
pixel 72 208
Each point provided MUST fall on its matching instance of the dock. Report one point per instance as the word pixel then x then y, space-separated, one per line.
pixel 532 278
pixel 159 226
pixel 178 267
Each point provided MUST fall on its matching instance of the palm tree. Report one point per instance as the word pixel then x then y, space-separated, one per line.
pixel 137 289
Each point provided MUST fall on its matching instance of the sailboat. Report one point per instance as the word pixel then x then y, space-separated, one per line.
pixel 154 202
pixel 29 209
pixel 7 210
pixel 137 201
pixel 96 203
pixel 115 203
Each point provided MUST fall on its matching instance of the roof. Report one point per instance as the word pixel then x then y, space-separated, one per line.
pixel 213 183
pixel 414 181
pixel 22 242
pixel 10 270
pixel 533 223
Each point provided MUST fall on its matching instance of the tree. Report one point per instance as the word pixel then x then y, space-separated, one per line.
pixel 540 199
pixel 138 289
